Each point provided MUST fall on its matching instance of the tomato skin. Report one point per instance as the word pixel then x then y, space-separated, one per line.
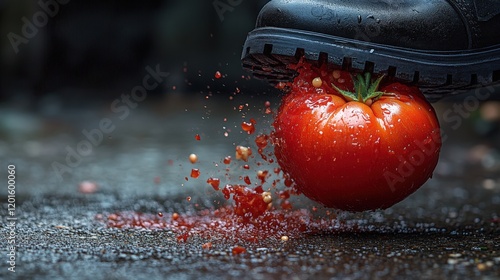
pixel 351 156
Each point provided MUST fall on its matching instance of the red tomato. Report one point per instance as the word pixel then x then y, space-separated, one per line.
pixel 350 154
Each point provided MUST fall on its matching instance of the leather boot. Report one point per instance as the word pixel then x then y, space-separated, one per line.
pixel 441 46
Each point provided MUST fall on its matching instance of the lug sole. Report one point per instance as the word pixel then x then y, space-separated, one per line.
pixel 269 50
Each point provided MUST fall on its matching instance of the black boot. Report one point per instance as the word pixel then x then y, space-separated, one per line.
pixel 442 46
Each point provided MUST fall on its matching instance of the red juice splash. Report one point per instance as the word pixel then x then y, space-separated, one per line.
pixel 195 173
pixel 226 224
pixel 253 217
pixel 249 127
pixel 218 75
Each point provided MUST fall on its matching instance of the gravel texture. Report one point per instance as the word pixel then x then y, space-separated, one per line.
pixel 450 228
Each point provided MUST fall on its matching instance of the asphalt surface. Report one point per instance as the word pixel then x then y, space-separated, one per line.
pixel 448 229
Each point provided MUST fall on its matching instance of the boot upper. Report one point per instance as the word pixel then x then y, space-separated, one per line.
pixel 422 25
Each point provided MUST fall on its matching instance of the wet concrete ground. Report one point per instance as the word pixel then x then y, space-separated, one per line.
pixel 450 228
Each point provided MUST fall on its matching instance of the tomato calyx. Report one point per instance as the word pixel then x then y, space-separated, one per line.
pixel 366 89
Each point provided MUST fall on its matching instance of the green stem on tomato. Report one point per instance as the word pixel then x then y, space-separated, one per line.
pixel 364 87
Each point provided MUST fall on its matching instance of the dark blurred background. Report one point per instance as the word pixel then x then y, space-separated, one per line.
pixel 90 47
pixel 59 81
pixel 64 63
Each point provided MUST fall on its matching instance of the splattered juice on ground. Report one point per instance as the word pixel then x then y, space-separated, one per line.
pixel 226 225
pixel 261 208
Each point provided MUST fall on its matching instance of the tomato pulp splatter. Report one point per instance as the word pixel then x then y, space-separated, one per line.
pixel 226 224
pixel 252 217
pixel 261 210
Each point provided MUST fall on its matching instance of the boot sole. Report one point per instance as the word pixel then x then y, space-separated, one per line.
pixel 269 50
